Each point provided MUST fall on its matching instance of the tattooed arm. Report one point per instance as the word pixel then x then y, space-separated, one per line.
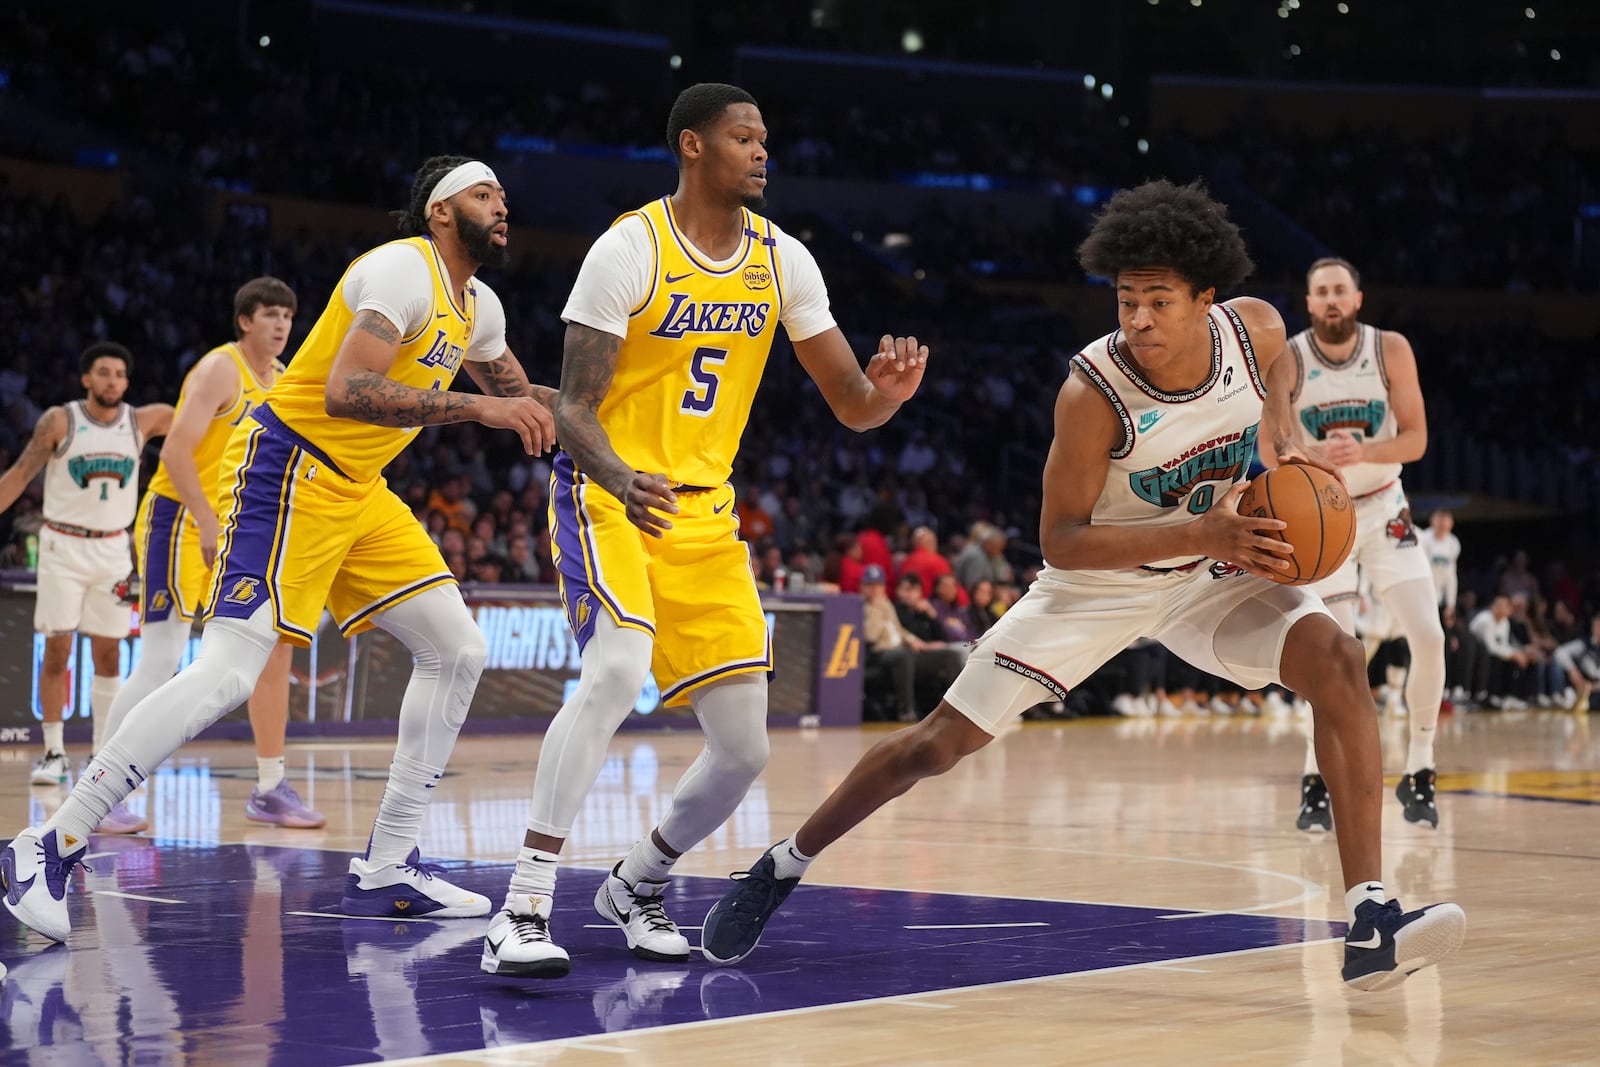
pixel 588 361
pixel 47 435
pixel 504 376
pixel 359 388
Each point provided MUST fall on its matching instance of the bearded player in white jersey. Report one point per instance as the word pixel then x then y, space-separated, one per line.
pixel 1351 396
pixel 1142 537
pixel 89 452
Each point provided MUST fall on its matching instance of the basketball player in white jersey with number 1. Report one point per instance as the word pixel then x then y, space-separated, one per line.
pixel 1350 394
pixel 89 452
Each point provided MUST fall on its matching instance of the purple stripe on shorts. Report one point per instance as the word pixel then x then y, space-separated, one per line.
pixel 571 537
pixel 246 565
pixel 159 594
pixel 747 667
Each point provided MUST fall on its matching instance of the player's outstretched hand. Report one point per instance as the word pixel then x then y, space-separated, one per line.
pixel 532 421
pixel 895 370
pixel 648 494
pixel 1236 538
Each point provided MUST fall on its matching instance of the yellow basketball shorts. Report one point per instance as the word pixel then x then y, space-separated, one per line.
pixel 692 589
pixel 298 534
pixel 172 573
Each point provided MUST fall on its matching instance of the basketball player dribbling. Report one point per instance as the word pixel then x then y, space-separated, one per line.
pixel 175 541
pixel 309 521
pixel 1348 393
pixel 1155 430
pixel 89 452
pixel 669 326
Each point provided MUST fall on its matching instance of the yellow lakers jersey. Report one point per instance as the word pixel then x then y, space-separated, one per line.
pixel 429 358
pixel 694 353
pixel 208 451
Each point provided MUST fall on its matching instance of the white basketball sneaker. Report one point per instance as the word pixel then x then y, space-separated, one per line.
pixel 638 910
pixel 409 890
pixel 518 941
pixel 51 769
pixel 34 870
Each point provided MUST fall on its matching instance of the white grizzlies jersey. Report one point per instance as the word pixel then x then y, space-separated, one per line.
pixel 92 481
pixel 1353 396
pixel 1180 451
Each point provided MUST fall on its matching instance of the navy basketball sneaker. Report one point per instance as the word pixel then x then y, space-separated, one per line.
pixel 1385 945
pixel 734 925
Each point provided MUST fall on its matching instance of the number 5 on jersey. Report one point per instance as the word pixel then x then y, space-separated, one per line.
pixel 701 397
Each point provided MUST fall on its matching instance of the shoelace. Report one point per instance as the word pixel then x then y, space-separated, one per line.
pixel 428 870
pixel 654 912
pixel 58 868
pixel 526 928
pixel 752 896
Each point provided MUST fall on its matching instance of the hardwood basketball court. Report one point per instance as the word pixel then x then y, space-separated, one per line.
pixel 1127 891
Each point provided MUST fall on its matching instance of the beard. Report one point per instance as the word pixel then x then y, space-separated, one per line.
pixel 106 400
pixel 480 245
pixel 1334 333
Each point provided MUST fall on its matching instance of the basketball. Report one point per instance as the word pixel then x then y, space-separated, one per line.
pixel 1320 515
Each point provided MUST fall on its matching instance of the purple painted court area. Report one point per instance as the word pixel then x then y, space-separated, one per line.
pixel 221 968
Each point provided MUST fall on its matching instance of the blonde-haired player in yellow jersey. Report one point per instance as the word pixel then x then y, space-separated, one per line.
pixel 175 543
pixel 308 521
pixel 668 329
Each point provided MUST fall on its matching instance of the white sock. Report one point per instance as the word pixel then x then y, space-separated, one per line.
pixel 1311 751
pixel 1420 755
pixel 405 799
pixel 788 860
pixel 102 692
pixel 646 863
pixel 1362 891
pixel 53 741
pixel 110 777
pixel 269 772
pixel 535 874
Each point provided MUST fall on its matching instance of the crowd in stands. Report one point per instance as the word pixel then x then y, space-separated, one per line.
pixel 1495 207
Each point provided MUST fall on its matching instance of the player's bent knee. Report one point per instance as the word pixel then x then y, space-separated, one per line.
pixel 471 653
pixel 748 760
pixel 938 743
pixel 614 682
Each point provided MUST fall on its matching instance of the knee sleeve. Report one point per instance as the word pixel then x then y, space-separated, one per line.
pixel 616 661
pixel 733 714
pixel 449 653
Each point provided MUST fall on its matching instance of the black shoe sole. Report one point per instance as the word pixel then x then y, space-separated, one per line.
pixel 659 957
pixel 542 969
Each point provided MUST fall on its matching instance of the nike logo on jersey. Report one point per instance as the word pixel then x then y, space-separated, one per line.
pixel 1149 419
pixel 717 509
pixel 675 280
pixel 1372 942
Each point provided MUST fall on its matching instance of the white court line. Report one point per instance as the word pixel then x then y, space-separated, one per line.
pixel 613 926
pixel 136 896
pixel 971 926
pixel 584 1041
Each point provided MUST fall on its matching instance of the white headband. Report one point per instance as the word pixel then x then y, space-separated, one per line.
pixel 463 177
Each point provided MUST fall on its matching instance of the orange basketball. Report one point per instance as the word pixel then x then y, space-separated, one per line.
pixel 1320 514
